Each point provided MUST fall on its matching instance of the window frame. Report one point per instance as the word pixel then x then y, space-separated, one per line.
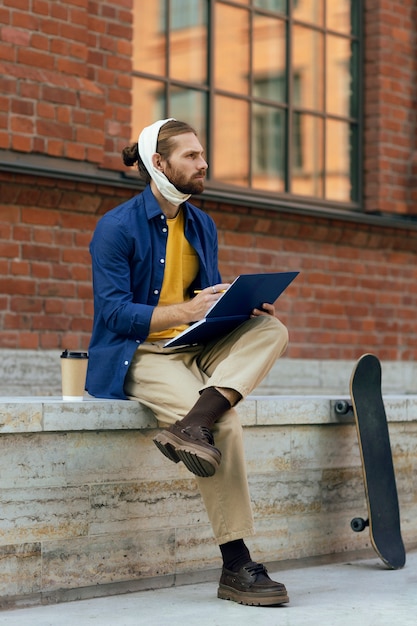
pixel 216 188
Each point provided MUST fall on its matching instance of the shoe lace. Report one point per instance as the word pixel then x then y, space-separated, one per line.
pixel 256 568
pixel 202 432
pixel 207 434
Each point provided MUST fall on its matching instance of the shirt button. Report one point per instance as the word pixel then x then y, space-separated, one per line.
pixel 162 261
pixel 137 341
pixel 165 229
pixel 156 291
pixel 162 217
pixel 126 362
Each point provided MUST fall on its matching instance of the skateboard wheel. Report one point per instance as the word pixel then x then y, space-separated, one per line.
pixel 342 407
pixel 358 524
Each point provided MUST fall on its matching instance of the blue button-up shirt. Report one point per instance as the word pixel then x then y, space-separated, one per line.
pixel 128 259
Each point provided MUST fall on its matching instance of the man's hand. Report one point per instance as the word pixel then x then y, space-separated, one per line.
pixel 267 309
pixel 205 299
pixel 193 310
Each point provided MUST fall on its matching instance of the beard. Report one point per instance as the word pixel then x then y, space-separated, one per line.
pixel 193 185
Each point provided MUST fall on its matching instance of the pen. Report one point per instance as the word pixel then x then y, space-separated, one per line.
pixel 200 290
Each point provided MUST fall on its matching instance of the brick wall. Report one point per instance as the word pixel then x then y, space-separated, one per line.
pixel 45 277
pixel 357 290
pixel 390 104
pixel 65 78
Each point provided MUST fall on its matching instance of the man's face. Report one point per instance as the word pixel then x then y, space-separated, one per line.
pixel 186 168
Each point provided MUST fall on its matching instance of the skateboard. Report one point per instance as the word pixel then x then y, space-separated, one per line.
pixel 377 466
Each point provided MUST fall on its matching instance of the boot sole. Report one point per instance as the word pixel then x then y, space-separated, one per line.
pixel 168 451
pixel 251 599
pixel 199 461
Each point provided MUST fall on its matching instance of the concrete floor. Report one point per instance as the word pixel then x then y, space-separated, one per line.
pixel 361 592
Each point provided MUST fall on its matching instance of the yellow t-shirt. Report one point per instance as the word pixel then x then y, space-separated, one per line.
pixel 181 268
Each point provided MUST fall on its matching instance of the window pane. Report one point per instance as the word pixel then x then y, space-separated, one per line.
pixel 308 67
pixel 354 162
pixel 268 148
pixel 231 150
pixel 231 50
pixel 189 106
pixel 307 155
pixel 338 76
pixel 188 41
pixel 187 13
pixel 269 59
pixel 310 11
pixel 148 103
pixel 272 5
pixel 338 15
pixel 338 161
pixel 150 30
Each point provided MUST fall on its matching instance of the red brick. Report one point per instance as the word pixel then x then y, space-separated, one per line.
pixel 49 128
pixel 14 285
pixel 41 7
pixel 55 148
pixel 62 273
pixel 28 340
pixel 15 36
pixel 39 42
pixel 59 12
pixel 21 144
pixel 21 304
pixel 35 58
pixel 22 107
pixel 59 95
pixel 21 124
pixel 57 289
pixel 51 322
pixel 41 270
pixel 40 253
pixel 23 5
pixel 46 110
pixel 72 67
pixel 29 90
pixel 9 250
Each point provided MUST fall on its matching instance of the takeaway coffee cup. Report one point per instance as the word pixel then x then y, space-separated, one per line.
pixel 73 371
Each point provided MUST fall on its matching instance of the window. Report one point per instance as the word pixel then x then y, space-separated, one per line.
pixel 271 86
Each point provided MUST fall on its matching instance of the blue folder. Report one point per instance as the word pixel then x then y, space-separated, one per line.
pixel 235 305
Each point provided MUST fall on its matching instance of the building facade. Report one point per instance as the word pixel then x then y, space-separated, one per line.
pixel 308 114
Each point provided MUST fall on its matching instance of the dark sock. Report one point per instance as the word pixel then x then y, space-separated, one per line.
pixel 209 407
pixel 235 554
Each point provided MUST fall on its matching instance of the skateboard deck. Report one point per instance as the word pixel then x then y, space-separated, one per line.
pixel 377 466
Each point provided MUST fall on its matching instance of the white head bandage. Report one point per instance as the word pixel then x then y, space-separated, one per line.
pixel 147 142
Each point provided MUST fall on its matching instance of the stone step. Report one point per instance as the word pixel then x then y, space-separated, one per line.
pixel 37 413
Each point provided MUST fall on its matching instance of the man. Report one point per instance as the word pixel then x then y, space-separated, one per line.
pixel 150 256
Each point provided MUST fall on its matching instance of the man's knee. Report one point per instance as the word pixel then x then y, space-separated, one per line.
pixel 278 332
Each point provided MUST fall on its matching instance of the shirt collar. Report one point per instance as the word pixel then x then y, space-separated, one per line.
pixel 153 209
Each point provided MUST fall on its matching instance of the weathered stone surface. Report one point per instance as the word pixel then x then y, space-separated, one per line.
pixel 106 559
pixel 20 569
pixel 87 500
pixel 43 514
pixel 21 417
pixel 145 505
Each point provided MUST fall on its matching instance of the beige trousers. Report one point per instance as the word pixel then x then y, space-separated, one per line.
pixel 169 381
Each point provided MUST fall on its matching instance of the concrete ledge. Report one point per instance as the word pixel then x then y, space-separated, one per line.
pixel 89 506
pixel 51 414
